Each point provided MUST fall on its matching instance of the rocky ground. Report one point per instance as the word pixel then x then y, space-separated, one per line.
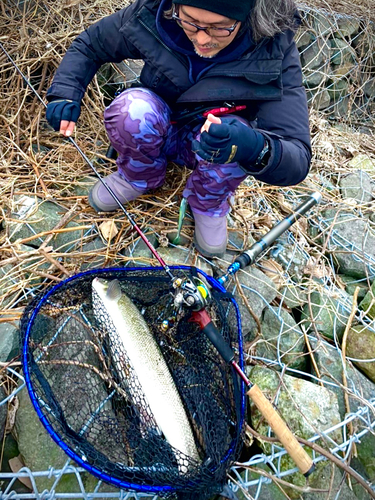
pixel 307 306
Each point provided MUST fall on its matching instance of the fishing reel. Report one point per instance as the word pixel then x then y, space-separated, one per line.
pixel 192 294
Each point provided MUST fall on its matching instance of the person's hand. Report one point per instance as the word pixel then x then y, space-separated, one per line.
pixel 63 114
pixel 231 141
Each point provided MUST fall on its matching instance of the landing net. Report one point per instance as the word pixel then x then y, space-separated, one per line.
pixel 94 407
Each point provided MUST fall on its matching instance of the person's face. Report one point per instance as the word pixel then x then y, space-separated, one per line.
pixel 206 45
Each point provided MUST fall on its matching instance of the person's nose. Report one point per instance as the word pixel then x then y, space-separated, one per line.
pixel 203 38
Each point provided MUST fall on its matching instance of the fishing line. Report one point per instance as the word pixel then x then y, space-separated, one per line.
pixel 87 160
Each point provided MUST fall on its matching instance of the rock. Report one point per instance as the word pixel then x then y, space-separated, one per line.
pixel 313 78
pixel 307 409
pixel 348 25
pixel 9 342
pixel 316 55
pixel 138 249
pixel 352 241
pixel 338 88
pixel 320 480
pixel 318 99
pixel 82 187
pixel 361 345
pixel 293 295
pixel 368 303
pixel 131 69
pixel 37 216
pixel 330 365
pixel 362 162
pixel 352 283
pixel 323 22
pixel 304 38
pixel 179 256
pixel 282 340
pixel 259 291
pixel 37 448
pixel 95 260
pixel 292 258
pixel 369 88
pixel 269 489
pixel 341 52
pixel 330 312
pixel 357 185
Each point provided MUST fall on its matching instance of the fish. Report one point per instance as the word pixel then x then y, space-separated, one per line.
pixel 148 362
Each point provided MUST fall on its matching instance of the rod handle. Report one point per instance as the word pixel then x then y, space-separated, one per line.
pixel 279 427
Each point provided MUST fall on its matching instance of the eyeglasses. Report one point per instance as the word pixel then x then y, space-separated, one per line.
pixel 212 31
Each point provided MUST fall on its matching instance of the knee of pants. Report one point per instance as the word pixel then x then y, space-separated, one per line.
pixel 136 116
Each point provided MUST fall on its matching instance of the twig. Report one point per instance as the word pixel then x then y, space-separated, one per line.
pixel 343 350
pixel 323 452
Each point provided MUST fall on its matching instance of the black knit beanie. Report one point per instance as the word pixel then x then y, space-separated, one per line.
pixel 234 9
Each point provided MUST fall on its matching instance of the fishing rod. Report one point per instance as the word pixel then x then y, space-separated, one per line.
pixel 87 160
pixel 196 298
pixel 202 318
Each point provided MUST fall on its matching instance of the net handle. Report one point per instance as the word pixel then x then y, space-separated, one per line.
pixel 277 424
pixel 283 433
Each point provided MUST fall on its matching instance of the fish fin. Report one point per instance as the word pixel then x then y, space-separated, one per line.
pixel 114 291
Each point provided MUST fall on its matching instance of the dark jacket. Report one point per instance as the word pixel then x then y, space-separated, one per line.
pixel 267 78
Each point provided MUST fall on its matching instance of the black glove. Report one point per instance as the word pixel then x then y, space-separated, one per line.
pixel 62 109
pixel 228 142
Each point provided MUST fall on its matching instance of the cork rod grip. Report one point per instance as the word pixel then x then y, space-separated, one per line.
pixel 286 437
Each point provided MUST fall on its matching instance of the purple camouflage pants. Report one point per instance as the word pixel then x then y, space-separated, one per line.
pixel 138 126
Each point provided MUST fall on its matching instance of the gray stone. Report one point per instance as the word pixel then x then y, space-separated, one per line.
pixel 341 52
pixel 259 291
pixel 347 25
pixel 179 256
pixel 292 258
pixel 82 186
pixel 314 78
pixel 293 296
pixel 329 312
pixel 306 408
pixel 128 71
pixel 304 38
pixel 316 55
pixel 322 479
pixel 369 88
pixel 318 99
pixel 364 48
pixel 352 241
pixel 39 452
pixel 368 303
pixel 362 162
pixel 138 250
pixel 357 185
pixel 351 284
pixel 282 340
pixel 9 341
pixel 37 216
pixel 338 88
pixel 361 345
pixel 330 364
pixel 323 22
pixel 269 490
pixel 96 260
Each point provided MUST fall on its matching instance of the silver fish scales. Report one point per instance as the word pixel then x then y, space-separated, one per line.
pixel 148 363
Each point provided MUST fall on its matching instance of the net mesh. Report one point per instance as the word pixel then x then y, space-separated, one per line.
pixel 89 397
